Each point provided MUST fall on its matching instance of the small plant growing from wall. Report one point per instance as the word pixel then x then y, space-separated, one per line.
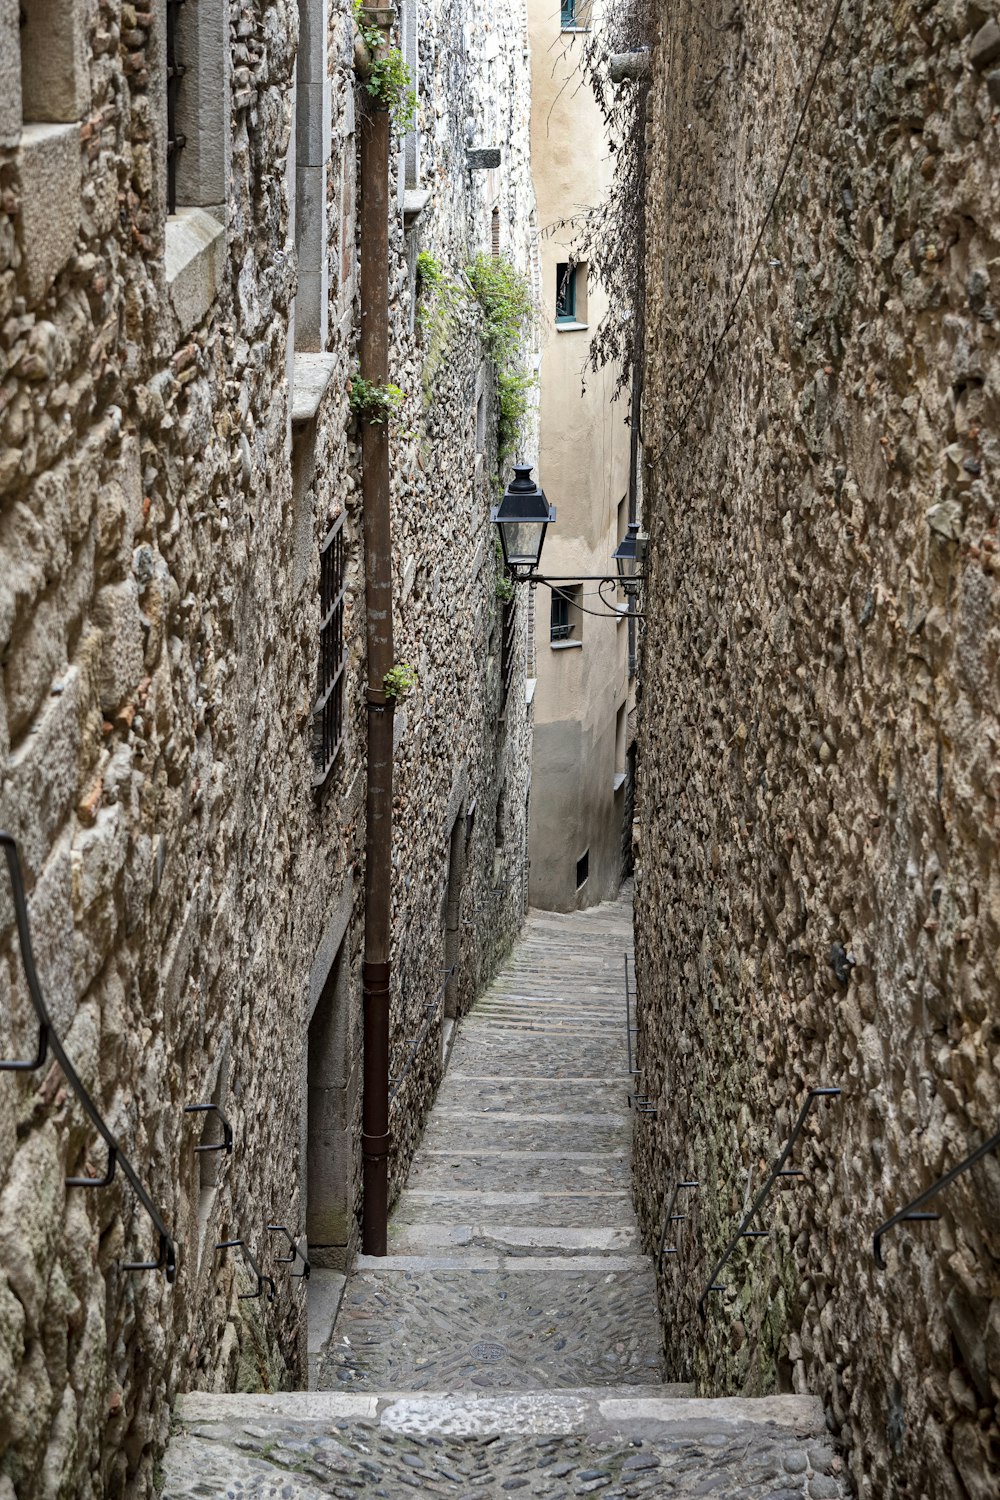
pixel 430 271
pixel 400 680
pixel 504 296
pixel 374 403
pixel 388 82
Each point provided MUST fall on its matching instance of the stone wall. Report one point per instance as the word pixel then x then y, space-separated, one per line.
pixel 165 487
pixel 817 898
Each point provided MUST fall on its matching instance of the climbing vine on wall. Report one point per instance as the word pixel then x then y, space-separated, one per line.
pixel 610 237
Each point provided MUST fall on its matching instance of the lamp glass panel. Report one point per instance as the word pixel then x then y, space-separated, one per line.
pixel 523 541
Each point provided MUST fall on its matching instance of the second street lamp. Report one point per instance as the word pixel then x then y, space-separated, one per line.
pixel 522 517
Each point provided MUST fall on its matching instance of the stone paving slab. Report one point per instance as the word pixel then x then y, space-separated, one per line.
pixel 513 1132
pixel 522 1171
pixel 571 1096
pixel 467 1330
pixel 544 1210
pixel 517 1053
pixel 510 1239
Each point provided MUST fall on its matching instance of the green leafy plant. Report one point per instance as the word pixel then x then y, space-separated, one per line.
pixel 400 680
pixel 372 402
pixel 505 588
pixel 505 298
pixel 389 83
pixel 513 387
pixel 429 270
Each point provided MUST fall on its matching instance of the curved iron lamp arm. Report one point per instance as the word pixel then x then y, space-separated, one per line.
pixel 166 1260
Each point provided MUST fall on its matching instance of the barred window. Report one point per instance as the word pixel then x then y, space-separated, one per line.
pixel 328 715
pixel 508 650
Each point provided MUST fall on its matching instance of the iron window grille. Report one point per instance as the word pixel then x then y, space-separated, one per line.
pixel 561 622
pixel 508 650
pixel 328 714
pixel 175 72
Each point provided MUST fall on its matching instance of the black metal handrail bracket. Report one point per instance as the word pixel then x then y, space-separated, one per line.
pixel 166 1259
pixel 289 1260
pixel 673 1218
pixel 262 1280
pixel 911 1214
pixel 226 1144
pixel 778 1172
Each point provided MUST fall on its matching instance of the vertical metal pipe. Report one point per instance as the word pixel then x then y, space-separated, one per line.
pixel 378 601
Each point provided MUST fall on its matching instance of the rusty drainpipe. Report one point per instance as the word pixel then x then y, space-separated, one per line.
pixel 378 606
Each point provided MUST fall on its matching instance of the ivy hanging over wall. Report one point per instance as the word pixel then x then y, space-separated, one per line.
pixel 505 298
pixel 611 236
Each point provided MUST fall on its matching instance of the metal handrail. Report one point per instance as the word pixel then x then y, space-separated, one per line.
pixel 430 1014
pixel 672 1218
pixel 255 1268
pixel 166 1260
pixel 910 1212
pixel 778 1170
pixel 630 1030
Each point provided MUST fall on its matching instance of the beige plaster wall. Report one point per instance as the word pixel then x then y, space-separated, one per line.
pixel 583 468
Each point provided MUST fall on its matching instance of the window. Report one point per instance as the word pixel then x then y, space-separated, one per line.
pixel 565 293
pixel 574 15
pixel 311 156
pixel 565 620
pixel 328 714
pixel 571 294
pixel 582 868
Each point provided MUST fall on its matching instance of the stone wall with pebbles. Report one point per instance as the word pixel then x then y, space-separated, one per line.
pixel 818 900
pixel 160 525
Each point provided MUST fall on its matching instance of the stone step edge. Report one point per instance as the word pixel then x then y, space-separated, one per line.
pixel 622 1410
pixel 598 1263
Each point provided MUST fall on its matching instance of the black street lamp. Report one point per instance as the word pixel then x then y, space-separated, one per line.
pixel 522 517
pixel 626 556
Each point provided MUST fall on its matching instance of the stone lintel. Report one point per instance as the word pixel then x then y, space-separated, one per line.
pixel 195 262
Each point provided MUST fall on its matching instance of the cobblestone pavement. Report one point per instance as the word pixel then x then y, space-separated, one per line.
pixel 509 1342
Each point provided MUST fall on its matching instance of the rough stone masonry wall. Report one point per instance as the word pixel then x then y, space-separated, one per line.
pixel 819 725
pixel 158 598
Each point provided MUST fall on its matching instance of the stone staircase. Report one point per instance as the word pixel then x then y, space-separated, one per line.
pixel 510 1340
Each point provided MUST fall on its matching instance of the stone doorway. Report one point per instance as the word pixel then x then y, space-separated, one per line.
pixel 331 1090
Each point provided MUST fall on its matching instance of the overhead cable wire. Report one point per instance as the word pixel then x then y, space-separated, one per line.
pixel 731 315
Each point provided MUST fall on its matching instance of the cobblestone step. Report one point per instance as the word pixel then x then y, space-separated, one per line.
pixel 619 1444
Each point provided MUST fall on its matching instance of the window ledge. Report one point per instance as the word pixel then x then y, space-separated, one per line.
pixel 311 376
pixel 619 781
pixel 195 263
pixel 570 327
pixel 415 203
pixel 564 645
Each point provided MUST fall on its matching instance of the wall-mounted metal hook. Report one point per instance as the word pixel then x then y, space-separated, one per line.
pixel 642 1105
pixel 262 1280
pixel 104 1181
pixel 226 1144
pixel 287 1260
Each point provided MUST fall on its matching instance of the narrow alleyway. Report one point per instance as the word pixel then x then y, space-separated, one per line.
pixel 510 1340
